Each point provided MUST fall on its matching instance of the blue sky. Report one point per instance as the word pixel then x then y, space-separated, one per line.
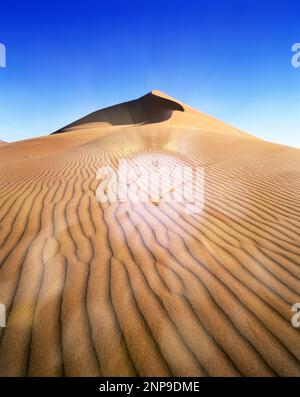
pixel 230 58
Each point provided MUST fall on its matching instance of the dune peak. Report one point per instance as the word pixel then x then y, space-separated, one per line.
pixel 160 93
pixel 153 107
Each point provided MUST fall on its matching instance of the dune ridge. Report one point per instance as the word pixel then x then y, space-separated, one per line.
pixel 150 108
pixel 154 107
pixel 145 289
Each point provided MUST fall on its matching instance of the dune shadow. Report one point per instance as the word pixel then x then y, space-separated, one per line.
pixel 148 109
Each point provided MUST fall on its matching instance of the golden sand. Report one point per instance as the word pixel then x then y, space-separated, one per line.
pixel 96 289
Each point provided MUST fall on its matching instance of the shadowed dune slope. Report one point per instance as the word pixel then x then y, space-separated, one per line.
pixel 150 108
pixel 148 289
pixel 154 107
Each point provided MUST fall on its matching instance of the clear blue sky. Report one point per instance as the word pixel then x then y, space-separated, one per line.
pixel 229 58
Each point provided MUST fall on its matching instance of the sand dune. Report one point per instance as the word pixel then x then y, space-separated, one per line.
pixel 148 289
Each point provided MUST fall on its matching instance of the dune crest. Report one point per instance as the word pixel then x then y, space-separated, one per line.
pixel 153 107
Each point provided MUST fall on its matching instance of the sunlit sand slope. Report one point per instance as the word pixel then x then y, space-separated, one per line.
pixel 149 289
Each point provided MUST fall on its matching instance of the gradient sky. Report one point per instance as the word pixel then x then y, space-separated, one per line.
pixel 230 58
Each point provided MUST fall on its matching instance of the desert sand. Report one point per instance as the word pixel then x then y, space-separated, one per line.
pixel 146 289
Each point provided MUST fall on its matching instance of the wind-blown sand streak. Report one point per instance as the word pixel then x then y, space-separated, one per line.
pixel 147 289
